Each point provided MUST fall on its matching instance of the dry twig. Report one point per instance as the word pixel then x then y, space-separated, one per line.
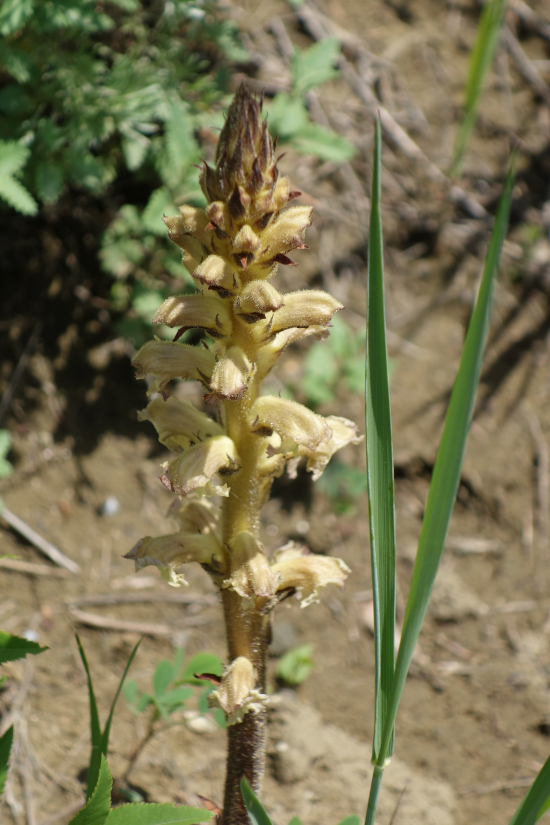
pixel 525 66
pixel 37 541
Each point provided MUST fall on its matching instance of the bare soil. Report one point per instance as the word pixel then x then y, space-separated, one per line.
pixel 474 724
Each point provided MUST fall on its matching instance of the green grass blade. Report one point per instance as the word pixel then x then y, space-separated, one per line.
pixel 480 61
pixel 448 466
pixel 107 729
pixel 6 741
pixel 95 729
pixel 534 803
pixel 254 808
pixel 379 464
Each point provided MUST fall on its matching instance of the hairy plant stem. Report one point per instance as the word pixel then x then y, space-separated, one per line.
pixel 247 629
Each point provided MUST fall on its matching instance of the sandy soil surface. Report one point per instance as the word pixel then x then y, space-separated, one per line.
pixel 474 724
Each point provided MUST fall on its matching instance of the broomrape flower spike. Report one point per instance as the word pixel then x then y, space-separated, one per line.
pixel 233 249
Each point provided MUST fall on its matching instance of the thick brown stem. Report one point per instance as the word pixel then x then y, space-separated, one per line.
pixel 246 754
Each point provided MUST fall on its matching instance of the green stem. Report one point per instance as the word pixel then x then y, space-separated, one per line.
pixel 375 784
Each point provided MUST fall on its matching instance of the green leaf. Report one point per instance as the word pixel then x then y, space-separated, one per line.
pixel 49 181
pixel 536 801
pixel 95 728
pixel 160 202
pixel 13 157
pixel 201 663
pixel 176 698
pixel 134 148
pixel 14 647
pixel 295 821
pixel 350 820
pixel 313 139
pixel 97 808
pixel 379 463
pixel 148 814
pixel 256 811
pixel 296 665
pixel 6 467
pixel 448 466
pixel 6 741
pixel 481 58
pixel 130 690
pixel 315 66
pixel 15 62
pixel 287 116
pixel 17 196
pixel 14 14
pixel 321 371
pixel 107 728
pixel 162 677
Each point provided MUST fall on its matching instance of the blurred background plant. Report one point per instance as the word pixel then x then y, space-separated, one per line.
pixel 128 93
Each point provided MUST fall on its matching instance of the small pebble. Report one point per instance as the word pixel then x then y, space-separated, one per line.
pixel 30 635
pixel 111 506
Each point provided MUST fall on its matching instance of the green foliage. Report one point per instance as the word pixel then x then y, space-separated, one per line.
pixel 6 741
pixel 343 485
pixel 100 739
pixel 296 665
pixel 6 467
pixel 12 648
pixel 338 361
pixel 288 115
pixel 13 157
pixel 170 691
pixel 15 647
pixel 480 61
pixel 256 811
pixel 97 810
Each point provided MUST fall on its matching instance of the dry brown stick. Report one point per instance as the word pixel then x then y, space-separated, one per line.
pixel 37 541
pixel 493 787
pixel 388 123
pixel 524 65
pixel 123 626
pixel 106 623
pixel 542 463
pixel 20 566
pixel 532 20
pixel 142 598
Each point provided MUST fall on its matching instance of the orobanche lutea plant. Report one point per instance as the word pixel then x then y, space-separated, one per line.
pixel 233 250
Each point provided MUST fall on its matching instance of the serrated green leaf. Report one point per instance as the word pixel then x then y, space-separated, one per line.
pixel 134 148
pixel 15 62
pixel 201 663
pixel 14 647
pixel 17 196
pixel 313 139
pixel 13 157
pixel 256 811
pixel 14 14
pixel 6 742
pixel 315 66
pixel 149 814
pixel 49 181
pixel 97 808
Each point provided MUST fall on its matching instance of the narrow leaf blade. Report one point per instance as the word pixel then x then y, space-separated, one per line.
pixel 379 463
pixel 256 811
pixel 448 467
pixel 96 810
pixel 6 741
pixel 534 804
pixel 107 729
pixel 95 728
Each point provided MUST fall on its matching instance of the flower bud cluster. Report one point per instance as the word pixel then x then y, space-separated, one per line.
pixel 232 249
